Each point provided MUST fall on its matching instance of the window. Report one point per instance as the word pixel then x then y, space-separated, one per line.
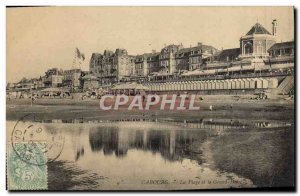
pixel 248 48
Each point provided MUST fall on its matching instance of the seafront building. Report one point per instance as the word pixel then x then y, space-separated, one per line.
pixel 260 63
pixel 53 78
pixel 171 60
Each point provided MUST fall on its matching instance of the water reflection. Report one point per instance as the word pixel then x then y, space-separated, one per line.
pixel 172 145
pixel 122 155
pixel 219 126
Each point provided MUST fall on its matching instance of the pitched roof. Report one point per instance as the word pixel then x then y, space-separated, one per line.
pixel 282 45
pixel 258 29
pixel 202 47
pixel 154 54
pixel 208 47
pixel 185 51
pixel 231 53
pixel 96 55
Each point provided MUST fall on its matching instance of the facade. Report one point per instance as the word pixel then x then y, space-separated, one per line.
pixel 282 56
pixel 90 82
pixel 172 59
pixel 57 80
pixel 53 78
pixel 96 64
pixel 113 66
pixel 201 68
pixel 38 83
pixel 282 49
pixel 194 57
pixel 227 55
pixel 146 63
pixel 258 53
pixel 62 78
pixel 257 41
pixel 71 78
pixel 122 64
pixel 167 61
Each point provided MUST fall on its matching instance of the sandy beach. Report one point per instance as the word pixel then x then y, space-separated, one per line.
pixel 224 107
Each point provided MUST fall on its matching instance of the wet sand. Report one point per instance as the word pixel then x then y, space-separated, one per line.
pixel 266 156
pixel 224 107
pixel 262 157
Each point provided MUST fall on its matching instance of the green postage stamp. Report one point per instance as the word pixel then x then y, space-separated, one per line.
pixel 22 174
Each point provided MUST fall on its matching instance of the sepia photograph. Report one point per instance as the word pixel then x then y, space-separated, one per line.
pixel 132 98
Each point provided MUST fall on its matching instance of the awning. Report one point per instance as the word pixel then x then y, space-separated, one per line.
pixel 54 90
pixel 17 89
pixel 130 86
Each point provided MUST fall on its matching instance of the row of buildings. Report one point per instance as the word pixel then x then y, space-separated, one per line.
pixel 54 77
pixel 257 48
pixel 173 59
pixel 258 56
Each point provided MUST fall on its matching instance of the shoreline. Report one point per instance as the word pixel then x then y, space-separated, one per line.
pixel 224 107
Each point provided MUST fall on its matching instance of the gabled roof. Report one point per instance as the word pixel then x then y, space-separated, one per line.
pixel 208 48
pixel 202 47
pixel 96 55
pixel 152 54
pixel 258 29
pixel 231 53
pixel 184 51
pixel 148 55
pixel 121 51
pixel 283 45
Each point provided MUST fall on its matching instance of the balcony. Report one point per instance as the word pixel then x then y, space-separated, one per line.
pixel 254 55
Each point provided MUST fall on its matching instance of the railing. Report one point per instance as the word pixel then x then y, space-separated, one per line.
pixel 286 85
pixel 222 77
pixel 255 55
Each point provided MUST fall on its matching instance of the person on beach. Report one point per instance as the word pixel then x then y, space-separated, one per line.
pixel 143 97
pixel 32 99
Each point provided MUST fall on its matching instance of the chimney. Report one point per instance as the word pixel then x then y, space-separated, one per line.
pixel 274 24
pixel 153 51
pixel 199 44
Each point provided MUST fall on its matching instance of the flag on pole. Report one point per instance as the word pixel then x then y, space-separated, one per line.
pixel 79 54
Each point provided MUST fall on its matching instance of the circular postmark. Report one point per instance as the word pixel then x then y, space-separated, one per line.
pixel 36 143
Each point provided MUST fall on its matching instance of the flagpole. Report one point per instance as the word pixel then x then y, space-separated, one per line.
pixel 75 59
pixel 31 97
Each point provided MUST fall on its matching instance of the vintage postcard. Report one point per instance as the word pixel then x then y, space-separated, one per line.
pixel 150 98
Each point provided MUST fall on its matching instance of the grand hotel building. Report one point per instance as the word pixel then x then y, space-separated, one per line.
pixel 258 52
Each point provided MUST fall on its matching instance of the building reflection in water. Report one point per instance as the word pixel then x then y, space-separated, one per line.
pixel 227 146
pixel 172 145
pixel 77 143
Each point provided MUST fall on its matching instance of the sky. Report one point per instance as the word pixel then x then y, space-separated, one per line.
pixel 44 37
